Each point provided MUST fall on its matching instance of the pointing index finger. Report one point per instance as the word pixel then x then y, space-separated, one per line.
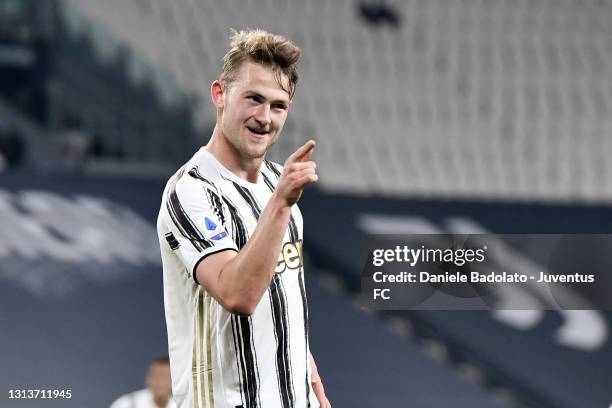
pixel 304 153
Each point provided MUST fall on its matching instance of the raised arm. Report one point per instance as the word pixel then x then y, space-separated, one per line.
pixel 239 280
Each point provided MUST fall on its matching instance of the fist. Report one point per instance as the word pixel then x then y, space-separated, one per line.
pixel 299 170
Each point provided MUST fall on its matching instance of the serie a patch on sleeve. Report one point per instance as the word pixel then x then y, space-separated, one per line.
pixel 213 231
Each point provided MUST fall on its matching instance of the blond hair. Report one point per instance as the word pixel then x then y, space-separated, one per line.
pixel 270 50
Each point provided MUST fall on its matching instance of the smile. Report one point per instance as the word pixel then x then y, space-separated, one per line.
pixel 259 133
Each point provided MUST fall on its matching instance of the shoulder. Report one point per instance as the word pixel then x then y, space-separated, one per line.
pixel 194 178
pixel 131 399
pixel 199 169
pixel 189 187
pixel 181 186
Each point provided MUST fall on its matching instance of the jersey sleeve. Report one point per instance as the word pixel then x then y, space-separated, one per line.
pixel 195 227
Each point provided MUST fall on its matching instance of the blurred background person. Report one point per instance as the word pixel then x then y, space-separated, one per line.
pixel 158 393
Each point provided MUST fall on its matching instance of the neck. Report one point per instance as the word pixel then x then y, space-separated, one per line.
pixel 246 168
pixel 161 402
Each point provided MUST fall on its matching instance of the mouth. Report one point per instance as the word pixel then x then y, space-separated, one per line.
pixel 259 133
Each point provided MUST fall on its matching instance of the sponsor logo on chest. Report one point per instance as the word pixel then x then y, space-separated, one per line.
pixel 290 257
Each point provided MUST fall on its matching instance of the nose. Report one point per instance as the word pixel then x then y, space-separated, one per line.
pixel 262 116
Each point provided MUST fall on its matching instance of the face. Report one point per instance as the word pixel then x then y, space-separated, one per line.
pixel 253 110
pixel 159 381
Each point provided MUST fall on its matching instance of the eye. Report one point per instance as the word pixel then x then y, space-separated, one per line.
pixel 255 98
pixel 279 106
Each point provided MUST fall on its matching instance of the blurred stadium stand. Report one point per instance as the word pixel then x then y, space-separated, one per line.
pixel 94 99
pixel 471 98
pixel 492 114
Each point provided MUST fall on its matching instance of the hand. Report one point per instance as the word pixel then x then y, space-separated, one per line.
pixel 317 384
pixel 299 170
pixel 320 393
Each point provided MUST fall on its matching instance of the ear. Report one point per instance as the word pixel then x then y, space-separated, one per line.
pixel 216 94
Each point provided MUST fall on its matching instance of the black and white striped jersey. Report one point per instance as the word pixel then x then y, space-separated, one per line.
pixel 219 359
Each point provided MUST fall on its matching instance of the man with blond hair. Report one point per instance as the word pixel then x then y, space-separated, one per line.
pixel 231 241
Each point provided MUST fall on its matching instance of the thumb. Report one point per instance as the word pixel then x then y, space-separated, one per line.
pixel 302 154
